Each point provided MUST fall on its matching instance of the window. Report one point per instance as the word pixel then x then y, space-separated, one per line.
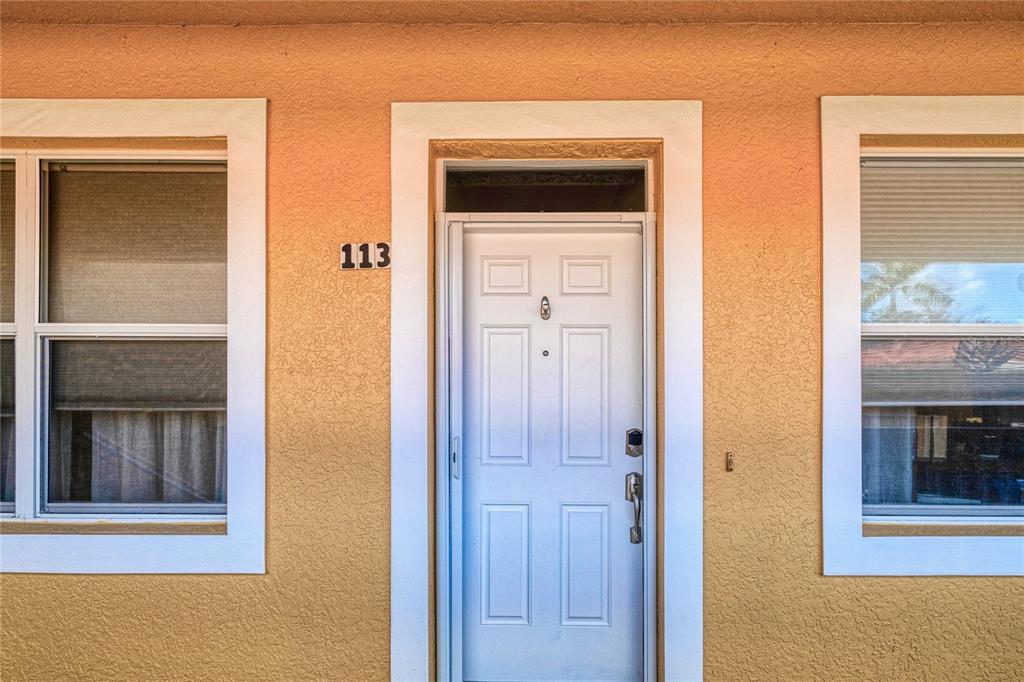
pixel 924 335
pixel 942 247
pixel 132 366
pixel 7 332
pixel 546 189
pixel 133 425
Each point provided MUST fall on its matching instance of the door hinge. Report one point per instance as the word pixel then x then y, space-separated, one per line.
pixel 455 456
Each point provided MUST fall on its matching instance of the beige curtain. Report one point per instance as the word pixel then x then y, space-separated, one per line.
pixel 888 454
pixel 141 456
pixel 7 459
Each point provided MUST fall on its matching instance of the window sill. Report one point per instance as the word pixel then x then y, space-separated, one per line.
pixel 94 527
pixel 918 529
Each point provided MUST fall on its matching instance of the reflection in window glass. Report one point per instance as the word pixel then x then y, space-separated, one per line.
pixel 942 240
pixel 943 421
pixel 137 421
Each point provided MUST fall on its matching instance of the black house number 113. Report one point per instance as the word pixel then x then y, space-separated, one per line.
pixel 365 255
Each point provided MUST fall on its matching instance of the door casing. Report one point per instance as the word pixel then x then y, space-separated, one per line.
pixel 449 230
pixel 423 133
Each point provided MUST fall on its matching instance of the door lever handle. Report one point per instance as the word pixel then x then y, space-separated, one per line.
pixel 635 494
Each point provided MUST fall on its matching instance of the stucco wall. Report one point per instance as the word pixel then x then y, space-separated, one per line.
pixel 322 609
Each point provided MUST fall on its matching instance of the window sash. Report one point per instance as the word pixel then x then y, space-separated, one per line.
pixel 953 511
pixel 160 510
pixel 8 327
pixel 193 254
pixel 953 160
pixel 122 511
pixel 32 334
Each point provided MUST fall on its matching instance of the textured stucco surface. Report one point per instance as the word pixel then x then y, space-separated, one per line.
pixel 504 11
pixel 321 611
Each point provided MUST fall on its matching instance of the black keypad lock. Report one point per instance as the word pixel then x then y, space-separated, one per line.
pixel 634 442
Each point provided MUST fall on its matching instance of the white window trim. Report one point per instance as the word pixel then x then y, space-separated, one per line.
pixel 846 550
pixel 678 124
pixel 242 548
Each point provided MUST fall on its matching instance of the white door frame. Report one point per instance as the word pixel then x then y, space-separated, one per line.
pixel 448 238
pixel 678 125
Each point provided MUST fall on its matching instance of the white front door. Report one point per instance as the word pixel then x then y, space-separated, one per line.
pixel 552 585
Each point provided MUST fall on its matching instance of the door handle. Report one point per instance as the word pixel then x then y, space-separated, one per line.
pixel 635 494
pixel 545 308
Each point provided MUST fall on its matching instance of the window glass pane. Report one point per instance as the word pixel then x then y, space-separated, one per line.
pixel 143 243
pixel 7 193
pixel 547 190
pixel 7 423
pixel 943 421
pixel 137 421
pixel 942 240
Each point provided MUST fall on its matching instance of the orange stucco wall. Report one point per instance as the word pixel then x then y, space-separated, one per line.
pixel 321 611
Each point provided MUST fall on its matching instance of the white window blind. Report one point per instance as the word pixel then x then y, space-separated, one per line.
pixel 120 374
pixel 942 240
pixel 7 241
pixel 942 210
pixel 132 242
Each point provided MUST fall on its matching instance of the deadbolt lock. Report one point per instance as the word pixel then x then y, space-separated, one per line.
pixel 635 443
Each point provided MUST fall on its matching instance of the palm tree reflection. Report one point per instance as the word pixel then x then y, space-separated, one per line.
pixel 896 292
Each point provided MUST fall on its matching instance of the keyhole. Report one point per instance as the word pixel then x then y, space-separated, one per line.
pixel 545 353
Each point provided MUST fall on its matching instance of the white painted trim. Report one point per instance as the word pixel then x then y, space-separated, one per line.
pixel 651 443
pixel 931 152
pixel 448 461
pixel 678 123
pixel 846 551
pixel 552 164
pixel 65 330
pixel 243 123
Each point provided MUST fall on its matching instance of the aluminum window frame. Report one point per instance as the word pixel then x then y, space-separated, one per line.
pixel 44 332
pixel 951 514
pixel 9 330
pixel 847 551
pixel 173 512
pixel 241 548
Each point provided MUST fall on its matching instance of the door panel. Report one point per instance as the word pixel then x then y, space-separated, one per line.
pixel 552 587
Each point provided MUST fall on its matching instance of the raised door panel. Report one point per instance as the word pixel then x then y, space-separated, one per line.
pixel 505 564
pixel 584 564
pixel 505 275
pixel 585 404
pixel 505 404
